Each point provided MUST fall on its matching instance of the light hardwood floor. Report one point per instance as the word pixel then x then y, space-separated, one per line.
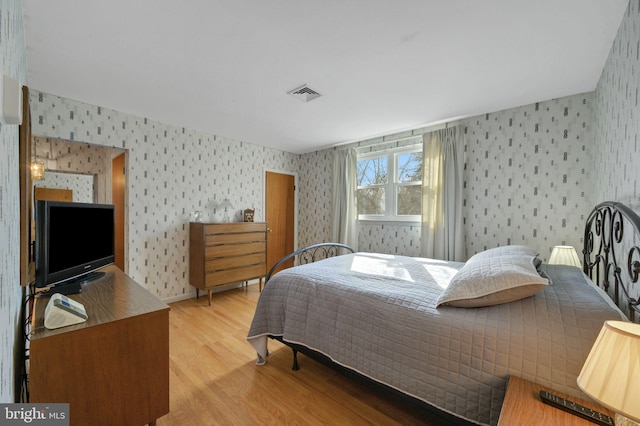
pixel 214 379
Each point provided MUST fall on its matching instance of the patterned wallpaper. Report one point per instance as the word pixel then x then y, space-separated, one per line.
pixel 617 117
pixel 315 198
pixel 617 123
pixel 172 171
pixel 526 181
pixel 12 64
pixel 528 175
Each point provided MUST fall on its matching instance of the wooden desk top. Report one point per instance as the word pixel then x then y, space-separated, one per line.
pixel 112 297
pixel 522 406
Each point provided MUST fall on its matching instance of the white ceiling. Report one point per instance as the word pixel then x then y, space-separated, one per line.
pixel 382 66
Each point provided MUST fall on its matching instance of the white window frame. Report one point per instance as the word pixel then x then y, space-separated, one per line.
pixel 392 185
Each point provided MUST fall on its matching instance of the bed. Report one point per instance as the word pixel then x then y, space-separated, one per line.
pixel 408 324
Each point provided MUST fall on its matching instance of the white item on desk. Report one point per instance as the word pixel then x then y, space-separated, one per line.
pixel 62 311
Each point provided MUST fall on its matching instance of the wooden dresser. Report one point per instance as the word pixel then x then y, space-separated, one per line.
pixel 225 253
pixel 112 369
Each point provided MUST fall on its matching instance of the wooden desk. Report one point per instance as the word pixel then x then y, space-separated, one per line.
pixel 112 369
pixel 522 406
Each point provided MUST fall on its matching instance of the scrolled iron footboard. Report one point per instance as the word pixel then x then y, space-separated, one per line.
pixel 311 254
pixel 303 256
pixel 612 256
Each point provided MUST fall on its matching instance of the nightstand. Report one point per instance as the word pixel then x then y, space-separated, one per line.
pixel 522 406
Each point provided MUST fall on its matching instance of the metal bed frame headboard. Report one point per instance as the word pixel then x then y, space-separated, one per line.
pixel 310 254
pixel 605 247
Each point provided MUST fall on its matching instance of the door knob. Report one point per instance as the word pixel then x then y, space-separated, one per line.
pixel 269 229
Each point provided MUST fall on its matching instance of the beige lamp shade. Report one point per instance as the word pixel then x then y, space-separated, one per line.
pixel 564 255
pixel 611 373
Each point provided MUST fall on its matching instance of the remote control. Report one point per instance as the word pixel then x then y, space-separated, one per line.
pixel 576 409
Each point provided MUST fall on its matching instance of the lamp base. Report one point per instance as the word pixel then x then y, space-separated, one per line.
pixel 623 421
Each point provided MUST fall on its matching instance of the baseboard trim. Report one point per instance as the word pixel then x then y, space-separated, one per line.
pixel 192 294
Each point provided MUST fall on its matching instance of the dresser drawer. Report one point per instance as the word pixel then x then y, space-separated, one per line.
pixel 233 250
pixel 235 262
pixel 234 227
pixel 228 276
pixel 245 237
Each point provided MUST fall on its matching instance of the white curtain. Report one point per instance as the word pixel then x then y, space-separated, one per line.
pixel 345 213
pixel 442 183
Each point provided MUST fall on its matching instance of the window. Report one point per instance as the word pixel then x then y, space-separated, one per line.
pixel 390 184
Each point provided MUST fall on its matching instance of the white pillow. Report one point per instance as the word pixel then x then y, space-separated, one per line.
pixel 492 281
pixel 504 250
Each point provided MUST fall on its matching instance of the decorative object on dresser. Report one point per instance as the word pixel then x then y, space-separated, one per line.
pixel 564 255
pixel 114 367
pixel 611 373
pixel 226 205
pixel 248 215
pixel 226 253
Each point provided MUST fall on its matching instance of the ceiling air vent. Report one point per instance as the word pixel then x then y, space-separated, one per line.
pixel 304 93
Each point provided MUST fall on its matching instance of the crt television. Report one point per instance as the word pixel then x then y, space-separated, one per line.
pixel 72 241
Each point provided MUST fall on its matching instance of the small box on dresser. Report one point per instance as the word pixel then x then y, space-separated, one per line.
pixel 226 253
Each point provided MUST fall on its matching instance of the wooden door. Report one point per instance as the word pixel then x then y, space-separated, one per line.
pixel 53 194
pixel 118 185
pixel 279 215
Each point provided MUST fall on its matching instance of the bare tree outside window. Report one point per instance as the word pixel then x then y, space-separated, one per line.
pixel 390 185
pixel 372 175
pixel 409 201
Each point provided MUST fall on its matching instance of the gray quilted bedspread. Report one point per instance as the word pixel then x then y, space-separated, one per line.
pixel 376 314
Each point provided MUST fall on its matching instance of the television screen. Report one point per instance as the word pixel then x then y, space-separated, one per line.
pixel 72 241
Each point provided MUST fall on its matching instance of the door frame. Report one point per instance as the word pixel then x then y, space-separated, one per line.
pixel 295 199
pixel 125 207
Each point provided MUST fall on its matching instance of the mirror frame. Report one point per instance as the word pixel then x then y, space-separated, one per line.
pixel 27 270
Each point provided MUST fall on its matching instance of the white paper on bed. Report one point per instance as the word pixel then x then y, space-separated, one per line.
pixel 378 316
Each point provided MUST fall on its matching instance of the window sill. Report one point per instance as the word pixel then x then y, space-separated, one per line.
pixel 389 222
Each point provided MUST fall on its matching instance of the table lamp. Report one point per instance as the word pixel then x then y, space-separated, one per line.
pixel 226 205
pixel 611 373
pixel 564 255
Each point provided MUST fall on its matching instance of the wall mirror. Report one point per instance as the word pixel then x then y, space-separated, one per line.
pixel 83 173
pixel 69 162
pixel 67 186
